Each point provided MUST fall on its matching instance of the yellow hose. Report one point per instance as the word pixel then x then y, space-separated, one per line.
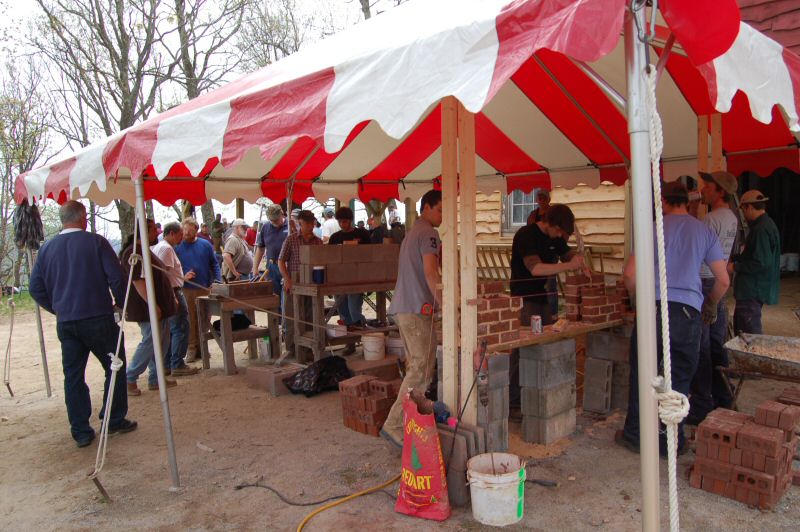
pixel 308 518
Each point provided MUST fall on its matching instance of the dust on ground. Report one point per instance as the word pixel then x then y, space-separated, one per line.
pixel 227 434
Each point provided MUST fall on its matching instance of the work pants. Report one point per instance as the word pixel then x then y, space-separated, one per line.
pixel 191 295
pixel 684 335
pixel 274 275
pixel 288 317
pixel 78 338
pixel 747 317
pixel 529 308
pixel 145 354
pixel 709 390
pixel 349 307
pixel 179 334
pixel 419 341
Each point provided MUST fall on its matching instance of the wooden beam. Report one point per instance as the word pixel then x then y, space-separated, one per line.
pixel 239 208
pixel 411 213
pixel 702 143
pixel 469 261
pixel 717 160
pixel 449 233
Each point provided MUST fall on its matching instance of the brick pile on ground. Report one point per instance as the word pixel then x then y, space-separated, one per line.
pixel 366 402
pixel 587 299
pixel 498 314
pixel 747 458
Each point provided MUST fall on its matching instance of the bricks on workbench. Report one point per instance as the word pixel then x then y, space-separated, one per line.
pixel 498 314
pixel 747 458
pixel 366 402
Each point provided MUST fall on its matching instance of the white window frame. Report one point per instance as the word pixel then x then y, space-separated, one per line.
pixel 508 226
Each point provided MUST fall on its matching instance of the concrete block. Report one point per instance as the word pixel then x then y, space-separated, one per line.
pixel 456 466
pixel 498 362
pixel 463 430
pixel 341 273
pixel 498 379
pixel 497 409
pixel 386 252
pixel 369 272
pixel 547 373
pixel 320 255
pixel 548 351
pixel 496 435
pixel 620 385
pixel 548 402
pixel 270 378
pixel 546 430
pixel 597 383
pixel 357 253
pixel 608 346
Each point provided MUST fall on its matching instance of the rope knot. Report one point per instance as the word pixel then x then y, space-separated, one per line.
pixel 673 406
pixel 134 259
pixel 116 362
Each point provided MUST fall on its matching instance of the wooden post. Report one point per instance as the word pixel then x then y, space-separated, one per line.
pixel 702 143
pixel 411 213
pixel 450 301
pixel 239 208
pixel 716 143
pixel 469 261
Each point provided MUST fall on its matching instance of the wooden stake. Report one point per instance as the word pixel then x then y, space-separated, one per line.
pixel 717 161
pixel 450 251
pixel 469 261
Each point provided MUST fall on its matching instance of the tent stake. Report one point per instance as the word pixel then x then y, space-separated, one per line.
pixel 38 316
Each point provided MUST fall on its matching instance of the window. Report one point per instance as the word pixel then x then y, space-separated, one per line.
pixel 516 208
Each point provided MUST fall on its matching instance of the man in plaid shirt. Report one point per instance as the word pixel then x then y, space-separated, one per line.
pixel 289 263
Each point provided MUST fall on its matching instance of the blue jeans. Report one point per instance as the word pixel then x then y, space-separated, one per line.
pixel 274 275
pixel 684 336
pixel 145 356
pixel 747 316
pixel 349 307
pixel 78 338
pixel 179 334
pixel 708 386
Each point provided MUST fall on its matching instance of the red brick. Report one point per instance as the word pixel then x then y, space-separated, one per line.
pixel 724 454
pixel 607 309
pixel 488 316
pixel 573 316
pixel 482 304
pixel 510 314
pixel 789 418
pixel 775 466
pixel 572 290
pixel 491 287
pixel 730 491
pixel 712 451
pixel 572 300
pixel 590 291
pixel 695 479
pixel 577 279
pixel 742 494
pixel 572 309
pixel 374 430
pixel 357 385
pixel 594 300
pixel 511 336
pixel 598 278
pixel 483 329
pixel 516 303
pixel 769 413
pixel 493 339
pixel 706 484
pixel 499 327
pixel 714 469
pixel 731 416
pixel 379 404
pixel 717 431
pixel 796 478
pixel 615 316
pixel 720 486
pixel 701 451
pixel 754 480
pixel 603 318
pixel 768 502
pixel 736 456
pixel 760 439
pixel 759 462
pixel 747 459
pixel 499 303
pixel 589 311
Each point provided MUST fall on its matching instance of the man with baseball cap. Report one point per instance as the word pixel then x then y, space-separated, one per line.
pixel 757 267
pixel 709 391
pixel 237 259
pixel 268 245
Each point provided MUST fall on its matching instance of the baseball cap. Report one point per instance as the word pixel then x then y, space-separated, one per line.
pixel 752 196
pixel 726 180
pixel 306 216
pixel 675 191
pixel 238 221
pixel 274 212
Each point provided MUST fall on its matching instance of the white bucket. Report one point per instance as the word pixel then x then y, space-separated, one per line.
pixel 373 344
pixel 395 346
pixel 792 262
pixel 497 499
pixel 336 331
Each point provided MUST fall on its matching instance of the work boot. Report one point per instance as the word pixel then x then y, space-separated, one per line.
pixel 170 384
pixel 133 390
pixel 125 426
pixel 190 357
pixel 184 371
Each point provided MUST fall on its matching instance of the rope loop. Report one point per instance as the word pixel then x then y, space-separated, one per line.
pixel 116 362
pixel 134 259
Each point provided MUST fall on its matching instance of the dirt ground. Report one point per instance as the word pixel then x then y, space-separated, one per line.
pixel 227 433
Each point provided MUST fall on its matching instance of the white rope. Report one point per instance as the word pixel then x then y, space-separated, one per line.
pixel 116 365
pixel 673 406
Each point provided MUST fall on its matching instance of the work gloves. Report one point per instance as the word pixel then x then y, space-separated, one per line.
pixel 709 311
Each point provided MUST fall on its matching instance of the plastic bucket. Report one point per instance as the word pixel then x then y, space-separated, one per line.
pixel 792 262
pixel 373 344
pixel 395 346
pixel 498 499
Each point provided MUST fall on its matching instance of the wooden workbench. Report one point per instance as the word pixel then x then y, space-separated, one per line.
pixel 208 306
pixel 573 330
pixel 314 338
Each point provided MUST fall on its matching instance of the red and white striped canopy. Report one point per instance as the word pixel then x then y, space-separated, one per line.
pixel 358 115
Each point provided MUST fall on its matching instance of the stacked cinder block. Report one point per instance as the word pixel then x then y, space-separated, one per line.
pixel 366 402
pixel 493 417
pixel 350 264
pixel 744 458
pixel 547 386
pixel 607 370
pixel 498 314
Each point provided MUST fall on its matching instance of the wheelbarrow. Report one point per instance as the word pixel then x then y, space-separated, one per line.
pixel 761 356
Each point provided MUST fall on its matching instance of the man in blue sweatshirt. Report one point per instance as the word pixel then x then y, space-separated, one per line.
pixel 200 268
pixel 71 279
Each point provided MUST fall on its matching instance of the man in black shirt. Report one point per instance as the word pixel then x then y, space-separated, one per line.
pixel 377 230
pixel 535 253
pixel 349 305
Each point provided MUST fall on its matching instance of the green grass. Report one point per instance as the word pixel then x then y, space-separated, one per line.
pixel 24 304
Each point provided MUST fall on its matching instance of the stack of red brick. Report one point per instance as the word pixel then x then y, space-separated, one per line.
pixel 498 314
pixel 622 293
pixel 744 458
pixel 587 300
pixel 366 401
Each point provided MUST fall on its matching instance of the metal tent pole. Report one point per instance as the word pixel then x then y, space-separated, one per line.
pixel 38 316
pixel 642 196
pixel 156 332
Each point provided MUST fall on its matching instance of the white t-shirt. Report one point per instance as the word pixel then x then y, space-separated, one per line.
pixel 724 224
pixel 329 227
pixel 166 253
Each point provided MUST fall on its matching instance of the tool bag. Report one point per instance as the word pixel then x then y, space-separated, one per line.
pixel 423 483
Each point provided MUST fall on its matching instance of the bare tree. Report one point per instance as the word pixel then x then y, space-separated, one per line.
pixel 270 31
pixel 109 51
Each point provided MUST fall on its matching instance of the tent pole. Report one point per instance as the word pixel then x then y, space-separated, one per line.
pixel 642 195
pixel 38 316
pixel 156 333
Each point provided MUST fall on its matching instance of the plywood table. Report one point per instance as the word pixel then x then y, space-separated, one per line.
pixel 314 338
pixel 548 335
pixel 208 306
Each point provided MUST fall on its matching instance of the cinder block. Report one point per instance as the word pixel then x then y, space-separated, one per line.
pixel 496 409
pixel 620 385
pixel 320 255
pixel 498 362
pixel 548 351
pixel 469 437
pixel 356 254
pixel 498 379
pixel 456 467
pixel 546 372
pixel 548 402
pixel 368 272
pixel 270 378
pixel 496 435
pixel 385 252
pixel 608 346
pixel 597 385
pixel 546 430
pixel 340 274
